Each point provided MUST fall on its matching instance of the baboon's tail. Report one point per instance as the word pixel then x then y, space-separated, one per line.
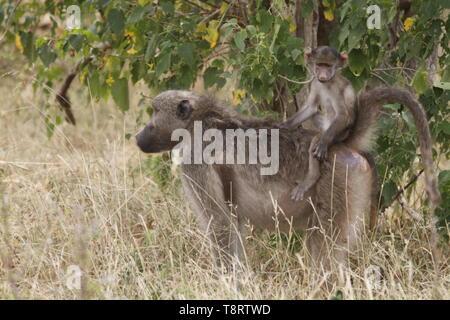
pixel 368 111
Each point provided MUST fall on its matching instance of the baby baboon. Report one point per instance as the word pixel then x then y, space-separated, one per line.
pixel 330 105
pixel 339 204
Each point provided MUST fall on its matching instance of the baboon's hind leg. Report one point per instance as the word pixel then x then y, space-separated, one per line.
pixel 375 194
pixel 342 204
pixel 216 218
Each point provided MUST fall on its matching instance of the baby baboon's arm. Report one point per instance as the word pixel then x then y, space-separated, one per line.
pixel 309 110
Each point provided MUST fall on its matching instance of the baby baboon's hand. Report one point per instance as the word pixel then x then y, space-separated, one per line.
pixel 320 150
pixel 285 125
pixel 298 192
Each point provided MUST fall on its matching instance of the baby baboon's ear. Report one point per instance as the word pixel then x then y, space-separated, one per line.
pixel 184 110
pixel 308 55
pixel 343 57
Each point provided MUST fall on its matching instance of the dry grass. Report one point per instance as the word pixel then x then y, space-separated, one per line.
pixel 83 198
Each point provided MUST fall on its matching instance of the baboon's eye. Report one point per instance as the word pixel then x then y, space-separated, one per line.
pixel 184 109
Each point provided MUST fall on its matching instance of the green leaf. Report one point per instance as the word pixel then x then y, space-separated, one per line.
pixel 442 85
pixel 96 85
pixel 119 91
pixel 167 6
pixel 76 41
pixel 239 39
pixel 294 43
pixel 186 52
pixel 344 8
pixel 251 29
pixel 58 120
pixel 149 111
pixel 357 82
pixel 40 42
pixel 392 106
pixel 307 8
pixel 420 81
pixel 116 21
pixel 163 64
pixel 444 127
pixel 151 49
pixel 47 55
pixel 343 33
pixel 102 4
pixel 29 49
pixel 355 35
pixel 138 70
pixel 295 53
pixel 389 191
pixel 138 13
pixel 339 295
pixel 50 126
pixel 444 177
pixel 93 83
pixel 407 116
pixel 265 20
pixel 357 61
pixel 212 77
pixel 230 23
pixel 218 63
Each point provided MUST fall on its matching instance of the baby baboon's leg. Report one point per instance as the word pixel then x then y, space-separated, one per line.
pixel 312 175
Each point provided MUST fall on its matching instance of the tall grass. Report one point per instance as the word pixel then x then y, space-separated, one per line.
pixel 83 199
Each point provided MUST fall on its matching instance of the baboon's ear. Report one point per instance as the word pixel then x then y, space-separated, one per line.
pixel 184 110
pixel 344 59
pixel 308 54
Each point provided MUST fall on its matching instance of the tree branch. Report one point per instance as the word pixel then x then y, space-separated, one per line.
pixel 431 63
pixel 402 190
pixel 195 5
pixel 414 214
pixel 61 96
pixel 8 22
pixel 294 81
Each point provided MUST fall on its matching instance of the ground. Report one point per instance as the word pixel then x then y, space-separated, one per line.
pixel 84 200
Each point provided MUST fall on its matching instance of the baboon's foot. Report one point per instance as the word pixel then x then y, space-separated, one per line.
pixel 299 191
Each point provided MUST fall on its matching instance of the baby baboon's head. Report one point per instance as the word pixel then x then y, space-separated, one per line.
pixel 172 109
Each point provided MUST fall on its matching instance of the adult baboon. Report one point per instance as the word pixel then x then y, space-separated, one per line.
pixel 224 196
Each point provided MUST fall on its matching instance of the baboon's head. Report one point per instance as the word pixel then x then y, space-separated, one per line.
pixel 172 109
pixel 326 61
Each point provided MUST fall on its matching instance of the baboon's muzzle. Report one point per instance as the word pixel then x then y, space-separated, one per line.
pixel 143 140
pixel 151 140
